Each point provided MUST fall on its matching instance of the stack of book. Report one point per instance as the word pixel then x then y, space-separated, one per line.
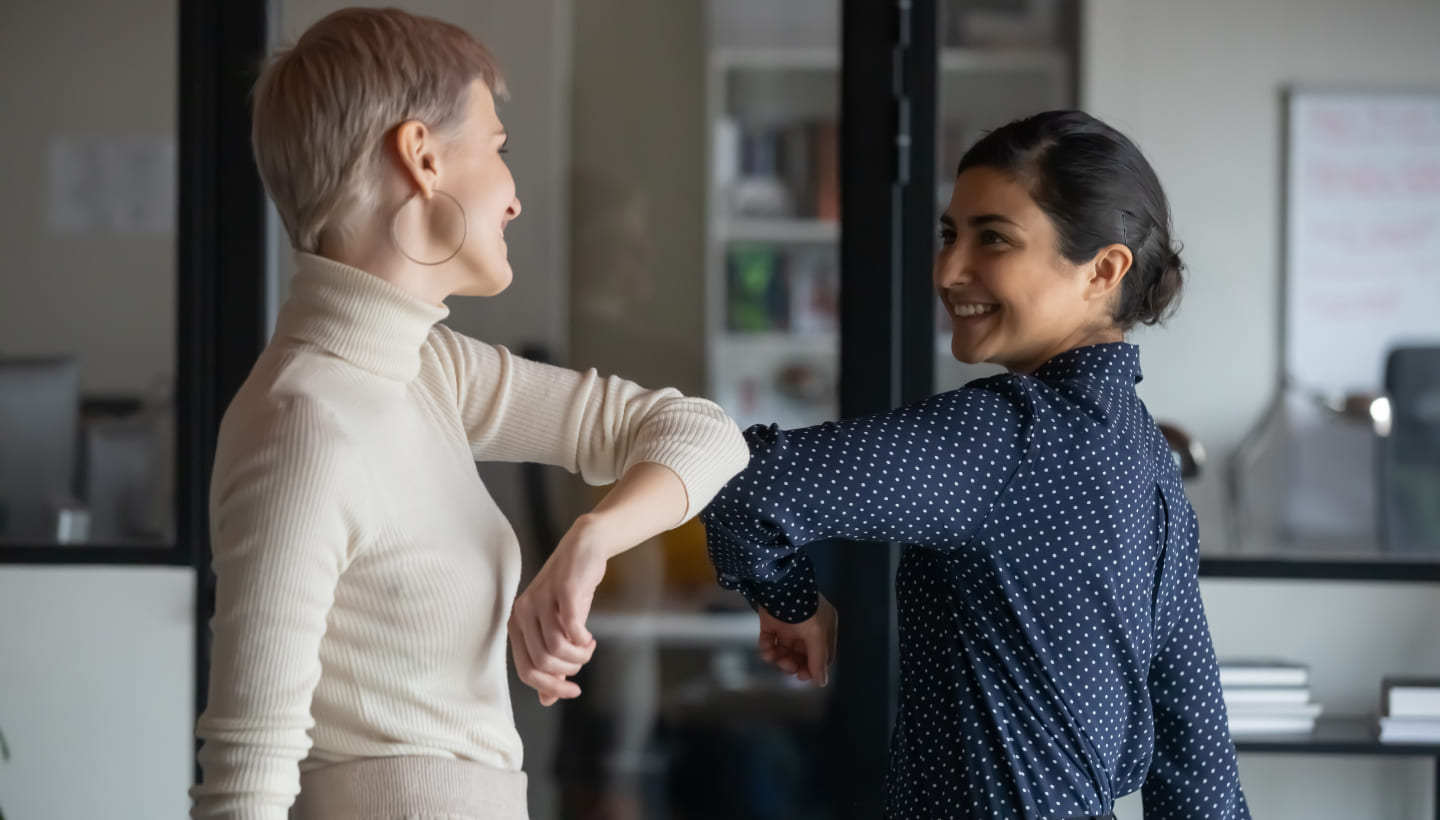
pixel 1410 710
pixel 779 171
pixel 770 288
pixel 1268 697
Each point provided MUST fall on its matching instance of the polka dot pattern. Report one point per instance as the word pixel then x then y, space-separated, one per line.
pixel 1054 652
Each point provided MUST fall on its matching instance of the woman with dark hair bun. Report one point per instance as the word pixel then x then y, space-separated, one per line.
pixel 1054 651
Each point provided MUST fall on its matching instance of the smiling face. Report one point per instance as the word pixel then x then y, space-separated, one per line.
pixel 1012 297
pixel 476 174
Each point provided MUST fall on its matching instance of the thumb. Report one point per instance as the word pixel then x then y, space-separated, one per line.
pixel 574 610
pixel 817 656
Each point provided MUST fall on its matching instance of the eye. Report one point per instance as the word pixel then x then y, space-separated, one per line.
pixel 947 236
pixel 991 238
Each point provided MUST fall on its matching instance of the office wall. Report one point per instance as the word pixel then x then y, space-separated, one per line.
pixel 78 69
pixel 96 665
pixel 1198 86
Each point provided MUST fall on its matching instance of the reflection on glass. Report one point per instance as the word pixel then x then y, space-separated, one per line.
pixel 87 317
pixel 773 229
pixel 998 62
pixel 1346 463
pixel 703 255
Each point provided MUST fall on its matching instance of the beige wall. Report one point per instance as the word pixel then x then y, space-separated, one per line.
pixel 1198 86
pixel 639 144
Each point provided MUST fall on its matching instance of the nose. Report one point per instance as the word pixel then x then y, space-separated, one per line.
pixel 951 269
pixel 514 209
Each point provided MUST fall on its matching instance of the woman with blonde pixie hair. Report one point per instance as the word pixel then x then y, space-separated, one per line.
pixel 365 577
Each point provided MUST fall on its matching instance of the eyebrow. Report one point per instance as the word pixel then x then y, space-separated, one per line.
pixel 979 220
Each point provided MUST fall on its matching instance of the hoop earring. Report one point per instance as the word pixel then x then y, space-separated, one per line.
pixel 464 230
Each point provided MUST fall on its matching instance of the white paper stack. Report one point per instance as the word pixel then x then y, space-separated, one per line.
pixel 1410 710
pixel 1268 697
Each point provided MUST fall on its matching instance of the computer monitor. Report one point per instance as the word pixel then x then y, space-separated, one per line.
pixel 1410 453
pixel 39 430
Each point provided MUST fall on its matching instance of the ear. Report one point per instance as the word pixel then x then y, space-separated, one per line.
pixel 1107 270
pixel 416 157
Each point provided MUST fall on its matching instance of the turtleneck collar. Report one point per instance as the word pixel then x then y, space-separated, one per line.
pixel 358 317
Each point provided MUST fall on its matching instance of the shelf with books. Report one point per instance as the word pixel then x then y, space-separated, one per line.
pixel 1268 697
pixel 1410 710
pixel 780 229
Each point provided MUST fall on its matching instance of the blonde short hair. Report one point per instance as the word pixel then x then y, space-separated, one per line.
pixel 323 108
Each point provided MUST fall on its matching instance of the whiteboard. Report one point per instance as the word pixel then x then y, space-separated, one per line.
pixel 1362 234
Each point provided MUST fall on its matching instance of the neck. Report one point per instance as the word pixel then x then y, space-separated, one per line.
pixel 357 317
pixel 371 249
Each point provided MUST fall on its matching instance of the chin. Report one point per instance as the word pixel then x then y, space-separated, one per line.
pixel 966 355
pixel 489 283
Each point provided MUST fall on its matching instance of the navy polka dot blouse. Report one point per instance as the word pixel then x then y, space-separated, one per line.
pixel 1054 652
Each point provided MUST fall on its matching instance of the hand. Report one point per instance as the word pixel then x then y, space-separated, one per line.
pixel 548 637
pixel 804 650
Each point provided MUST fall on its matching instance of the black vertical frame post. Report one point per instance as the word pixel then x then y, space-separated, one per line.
pixel 221 260
pixel 888 75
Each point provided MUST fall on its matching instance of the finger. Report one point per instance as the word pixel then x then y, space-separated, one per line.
pixel 778 656
pixel 540 657
pixel 573 609
pixel 817 655
pixel 549 687
pixel 788 660
pixel 766 646
pixel 800 652
pixel 560 646
pixel 552 688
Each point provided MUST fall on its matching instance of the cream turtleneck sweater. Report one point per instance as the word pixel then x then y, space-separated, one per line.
pixel 365 575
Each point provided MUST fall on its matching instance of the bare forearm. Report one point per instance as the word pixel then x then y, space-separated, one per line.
pixel 547 624
pixel 648 500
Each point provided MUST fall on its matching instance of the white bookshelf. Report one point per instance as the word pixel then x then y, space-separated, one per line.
pixel 983 86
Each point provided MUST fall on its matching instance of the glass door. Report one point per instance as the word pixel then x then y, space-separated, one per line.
pixel 88 289
pixel 704 255
pixel 998 62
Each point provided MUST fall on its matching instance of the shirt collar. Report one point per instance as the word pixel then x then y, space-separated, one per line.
pixel 1113 360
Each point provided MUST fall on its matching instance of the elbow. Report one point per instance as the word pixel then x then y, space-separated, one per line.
pixel 722 436
pixel 736 448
